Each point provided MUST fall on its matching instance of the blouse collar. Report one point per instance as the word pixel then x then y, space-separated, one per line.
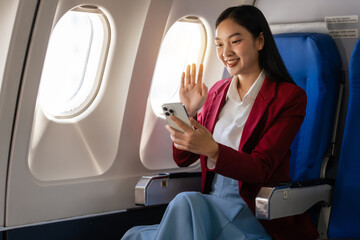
pixel 252 93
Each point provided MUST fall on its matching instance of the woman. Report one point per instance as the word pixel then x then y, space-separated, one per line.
pixel 242 135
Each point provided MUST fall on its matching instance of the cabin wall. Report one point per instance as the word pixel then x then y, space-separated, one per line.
pixel 16 21
pixel 7 18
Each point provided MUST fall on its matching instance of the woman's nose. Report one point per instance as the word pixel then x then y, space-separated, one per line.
pixel 227 51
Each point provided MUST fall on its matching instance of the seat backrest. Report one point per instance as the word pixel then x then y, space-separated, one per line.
pixel 345 210
pixel 313 61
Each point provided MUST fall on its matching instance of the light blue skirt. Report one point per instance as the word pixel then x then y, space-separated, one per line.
pixel 220 215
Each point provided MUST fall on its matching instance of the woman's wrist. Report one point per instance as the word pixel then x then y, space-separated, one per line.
pixel 190 112
pixel 214 152
pixel 193 115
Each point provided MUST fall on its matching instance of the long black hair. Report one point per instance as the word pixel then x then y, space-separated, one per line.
pixel 255 22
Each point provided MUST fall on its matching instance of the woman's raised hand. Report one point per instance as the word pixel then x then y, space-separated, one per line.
pixel 193 93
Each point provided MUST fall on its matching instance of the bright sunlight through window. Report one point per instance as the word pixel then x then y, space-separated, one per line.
pixel 184 44
pixel 74 63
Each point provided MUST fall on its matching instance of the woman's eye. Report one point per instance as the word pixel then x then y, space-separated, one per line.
pixel 236 41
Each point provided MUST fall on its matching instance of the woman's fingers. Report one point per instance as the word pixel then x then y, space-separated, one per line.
pixel 180 123
pixel 177 137
pixel 204 90
pixel 200 74
pixel 187 75
pixel 193 73
pixel 195 123
pixel 182 80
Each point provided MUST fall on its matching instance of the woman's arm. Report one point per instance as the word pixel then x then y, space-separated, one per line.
pixel 193 94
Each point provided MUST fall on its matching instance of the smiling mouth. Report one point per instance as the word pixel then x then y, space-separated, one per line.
pixel 232 62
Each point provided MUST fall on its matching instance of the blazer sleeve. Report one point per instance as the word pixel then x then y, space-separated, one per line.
pixel 272 147
pixel 184 158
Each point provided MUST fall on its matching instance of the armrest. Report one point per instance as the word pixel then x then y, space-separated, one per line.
pixel 162 188
pixel 291 199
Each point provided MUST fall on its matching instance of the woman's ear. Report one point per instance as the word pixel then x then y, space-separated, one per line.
pixel 260 41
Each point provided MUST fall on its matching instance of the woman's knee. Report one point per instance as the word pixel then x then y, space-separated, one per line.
pixel 187 196
pixel 186 199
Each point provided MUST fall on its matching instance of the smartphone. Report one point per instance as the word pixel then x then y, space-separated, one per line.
pixel 178 110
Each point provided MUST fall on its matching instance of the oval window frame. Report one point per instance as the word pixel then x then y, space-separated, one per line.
pixel 68 112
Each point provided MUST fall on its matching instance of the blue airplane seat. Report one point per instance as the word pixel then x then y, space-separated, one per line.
pixel 313 61
pixel 345 211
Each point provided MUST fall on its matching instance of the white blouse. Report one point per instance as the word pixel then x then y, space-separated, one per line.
pixel 232 118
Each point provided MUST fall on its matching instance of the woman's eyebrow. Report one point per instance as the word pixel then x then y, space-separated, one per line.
pixel 230 36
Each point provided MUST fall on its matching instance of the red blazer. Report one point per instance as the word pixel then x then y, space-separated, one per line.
pixel 264 152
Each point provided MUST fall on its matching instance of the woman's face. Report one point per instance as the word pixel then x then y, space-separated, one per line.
pixel 237 48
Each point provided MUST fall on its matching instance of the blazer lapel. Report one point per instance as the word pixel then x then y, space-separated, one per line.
pixel 217 103
pixel 262 101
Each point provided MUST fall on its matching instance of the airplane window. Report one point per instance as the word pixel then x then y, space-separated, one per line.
pixel 74 63
pixel 184 43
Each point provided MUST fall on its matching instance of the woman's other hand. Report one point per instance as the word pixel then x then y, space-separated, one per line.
pixel 193 93
pixel 196 140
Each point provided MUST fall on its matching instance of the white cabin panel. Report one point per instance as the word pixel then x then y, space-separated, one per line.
pixel 16 19
pixel 75 182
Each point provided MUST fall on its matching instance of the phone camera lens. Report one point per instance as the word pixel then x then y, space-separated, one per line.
pixel 165 108
pixel 171 111
pixel 167 113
